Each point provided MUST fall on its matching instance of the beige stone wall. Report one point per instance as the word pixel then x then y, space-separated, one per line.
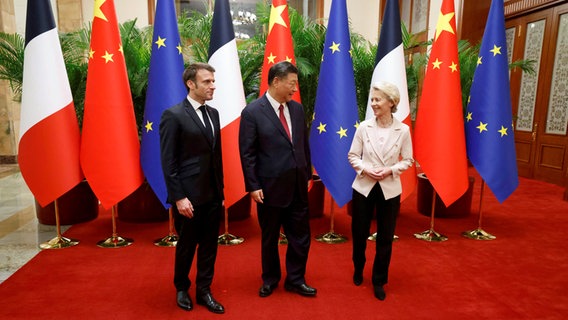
pixel 70 15
pixel 9 110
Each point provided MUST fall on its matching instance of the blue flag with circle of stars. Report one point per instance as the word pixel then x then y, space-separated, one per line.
pixel 335 109
pixel 489 122
pixel 165 89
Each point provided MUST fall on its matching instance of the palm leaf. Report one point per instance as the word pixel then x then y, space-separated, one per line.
pixel 12 57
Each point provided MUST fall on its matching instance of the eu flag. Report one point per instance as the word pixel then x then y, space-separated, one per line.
pixel 336 114
pixel 165 89
pixel 489 122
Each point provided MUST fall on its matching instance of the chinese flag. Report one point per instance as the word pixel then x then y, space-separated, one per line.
pixel 279 45
pixel 110 148
pixel 439 129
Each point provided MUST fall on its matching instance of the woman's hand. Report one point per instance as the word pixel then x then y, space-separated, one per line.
pixel 378 173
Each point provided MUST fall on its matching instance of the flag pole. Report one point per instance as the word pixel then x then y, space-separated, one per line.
pixel 228 239
pixel 431 235
pixel 114 241
pixel 331 237
pixel 59 242
pixel 479 234
pixel 171 239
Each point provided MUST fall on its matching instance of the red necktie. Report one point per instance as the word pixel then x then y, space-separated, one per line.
pixel 283 120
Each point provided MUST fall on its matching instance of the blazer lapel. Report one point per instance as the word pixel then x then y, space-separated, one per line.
pixel 193 115
pixel 390 143
pixel 271 115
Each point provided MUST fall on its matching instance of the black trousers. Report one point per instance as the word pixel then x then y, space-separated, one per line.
pixel 295 221
pixel 386 213
pixel 198 233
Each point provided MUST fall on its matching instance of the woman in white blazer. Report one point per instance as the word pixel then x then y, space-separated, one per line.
pixel 381 150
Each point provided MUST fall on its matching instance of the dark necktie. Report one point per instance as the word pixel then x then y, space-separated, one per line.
pixel 283 120
pixel 207 123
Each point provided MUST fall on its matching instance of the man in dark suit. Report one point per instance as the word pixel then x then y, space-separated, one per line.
pixel 275 156
pixel 190 143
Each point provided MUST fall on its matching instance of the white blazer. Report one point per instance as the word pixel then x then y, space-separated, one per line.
pixel 366 153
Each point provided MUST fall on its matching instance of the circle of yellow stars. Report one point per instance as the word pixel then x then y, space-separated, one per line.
pixel 469 116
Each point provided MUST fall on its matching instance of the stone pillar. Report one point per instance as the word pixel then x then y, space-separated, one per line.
pixel 70 15
pixel 9 110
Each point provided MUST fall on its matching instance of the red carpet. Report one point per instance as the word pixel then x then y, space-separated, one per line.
pixel 523 274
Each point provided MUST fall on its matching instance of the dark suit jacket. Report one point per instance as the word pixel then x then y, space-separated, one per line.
pixel 270 161
pixel 192 165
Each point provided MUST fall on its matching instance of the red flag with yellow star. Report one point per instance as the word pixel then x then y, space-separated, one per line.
pixel 110 148
pixel 279 45
pixel 439 129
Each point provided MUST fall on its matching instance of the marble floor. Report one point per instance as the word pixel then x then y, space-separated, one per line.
pixel 20 232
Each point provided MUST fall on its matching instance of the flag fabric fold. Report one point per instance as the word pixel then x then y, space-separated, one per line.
pixel 48 149
pixel 390 67
pixel 279 43
pixel 489 119
pixel 110 149
pixel 165 89
pixel 439 129
pixel 229 97
pixel 335 109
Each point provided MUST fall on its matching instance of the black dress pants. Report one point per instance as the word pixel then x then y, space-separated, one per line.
pixel 295 221
pixel 198 233
pixel 386 214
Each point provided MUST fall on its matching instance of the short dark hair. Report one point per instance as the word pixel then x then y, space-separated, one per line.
pixel 281 70
pixel 191 71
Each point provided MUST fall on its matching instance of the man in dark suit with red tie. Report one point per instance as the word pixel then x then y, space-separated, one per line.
pixel 190 143
pixel 275 156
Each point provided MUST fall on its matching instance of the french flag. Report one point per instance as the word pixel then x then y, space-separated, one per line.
pixel 229 97
pixel 48 150
pixel 390 67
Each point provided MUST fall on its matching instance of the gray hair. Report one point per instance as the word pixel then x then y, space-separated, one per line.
pixel 390 90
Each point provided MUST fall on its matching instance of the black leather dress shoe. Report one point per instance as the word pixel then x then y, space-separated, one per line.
pixel 184 301
pixel 380 293
pixel 357 278
pixel 212 305
pixel 266 290
pixel 302 289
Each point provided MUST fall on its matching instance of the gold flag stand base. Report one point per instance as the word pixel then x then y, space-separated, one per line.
pixel 282 239
pixel 167 241
pixel 228 239
pixel 331 237
pixel 430 235
pixel 115 242
pixel 59 242
pixel 171 239
pixel 373 237
pixel 478 234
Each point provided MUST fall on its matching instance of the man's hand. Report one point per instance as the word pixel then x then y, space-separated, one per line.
pixel 185 207
pixel 257 196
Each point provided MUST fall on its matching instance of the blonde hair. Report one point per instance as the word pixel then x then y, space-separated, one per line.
pixel 390 90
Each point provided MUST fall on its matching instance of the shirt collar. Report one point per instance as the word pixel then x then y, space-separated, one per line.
pixel 193 103
pixel 275 104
